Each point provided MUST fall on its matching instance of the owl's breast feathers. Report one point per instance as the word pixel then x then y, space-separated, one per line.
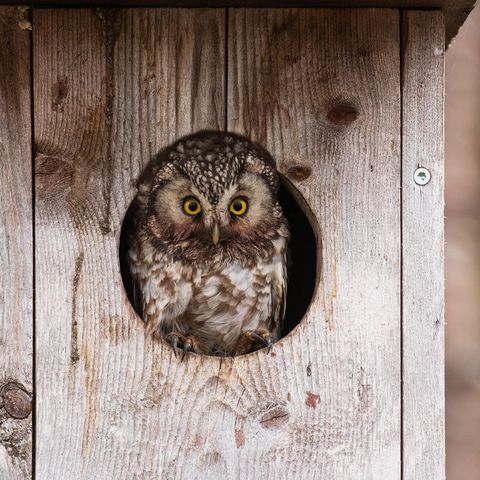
pixel 215 300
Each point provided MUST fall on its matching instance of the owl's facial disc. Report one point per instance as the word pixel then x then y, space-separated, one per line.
pixel 239 213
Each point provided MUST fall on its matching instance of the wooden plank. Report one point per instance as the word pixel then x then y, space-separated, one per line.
pixel 321 90
pixel 16 249
pixel 455 11
pixel 422 221
pixel 111 89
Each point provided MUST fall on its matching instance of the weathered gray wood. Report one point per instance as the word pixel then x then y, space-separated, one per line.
pixel 422 221
pixel 321 90
pixel 111 89
pixel 16 250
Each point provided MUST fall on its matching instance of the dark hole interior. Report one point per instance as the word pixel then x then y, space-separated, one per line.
pixel 302 262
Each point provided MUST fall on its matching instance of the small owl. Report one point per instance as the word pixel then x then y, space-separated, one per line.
pixel 208 248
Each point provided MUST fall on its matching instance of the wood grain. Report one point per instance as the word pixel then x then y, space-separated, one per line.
pixel 455 11
pixel 111 89
pixel 321 90
pixel 16 250
pixel 423 241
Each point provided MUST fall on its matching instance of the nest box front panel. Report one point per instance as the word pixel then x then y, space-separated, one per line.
pixel 320 89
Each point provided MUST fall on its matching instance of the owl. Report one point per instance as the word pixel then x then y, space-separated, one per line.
pixel 208 246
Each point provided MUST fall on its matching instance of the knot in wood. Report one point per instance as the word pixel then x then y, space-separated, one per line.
pixel 299 172
pixel 342 114
pixel 52 174
pixel 275 417
pixel 16 401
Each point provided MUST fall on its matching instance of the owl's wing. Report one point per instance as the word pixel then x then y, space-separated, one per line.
pixel 279 294
pixel 165 297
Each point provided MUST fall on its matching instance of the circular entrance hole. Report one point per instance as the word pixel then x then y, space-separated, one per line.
pixel 302 258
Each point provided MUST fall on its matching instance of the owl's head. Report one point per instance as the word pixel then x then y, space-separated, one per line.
pixel 215 192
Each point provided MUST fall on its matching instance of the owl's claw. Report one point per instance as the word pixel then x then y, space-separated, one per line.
pixel 249 340
pixel 187 347
pixel 264 337
pixel 269 342
pixel 179 342
pixel 173 339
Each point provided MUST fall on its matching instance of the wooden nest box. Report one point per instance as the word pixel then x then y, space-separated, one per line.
pixel 349 102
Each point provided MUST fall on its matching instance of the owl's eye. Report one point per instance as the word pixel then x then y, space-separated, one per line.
pixel 239 206
pixel 191 206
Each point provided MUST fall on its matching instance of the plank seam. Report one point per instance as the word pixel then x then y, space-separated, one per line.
pixel 225 73
pixel 401 49
pixel 34 352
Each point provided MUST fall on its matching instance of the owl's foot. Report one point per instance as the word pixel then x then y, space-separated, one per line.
pixel 181 342
pixel 252 340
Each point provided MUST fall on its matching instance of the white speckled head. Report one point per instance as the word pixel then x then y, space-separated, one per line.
pixel 233 180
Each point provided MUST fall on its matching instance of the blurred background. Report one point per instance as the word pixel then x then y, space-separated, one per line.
pixel 462 264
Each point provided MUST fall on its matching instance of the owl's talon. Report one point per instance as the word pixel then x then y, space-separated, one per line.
pixel 179 342
pixel 257 336
pixel 269 342
pixel 174 345
pixel 173 339
pixel 187 347
pixel 266 338
pixel 249 340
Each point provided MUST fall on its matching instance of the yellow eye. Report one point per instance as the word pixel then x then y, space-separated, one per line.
pixel 191 206
pixel 239 206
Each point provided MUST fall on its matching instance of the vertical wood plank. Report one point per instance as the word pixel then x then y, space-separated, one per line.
pixel 321 90
pixel 16 250
pixel 422 221
pixel 111 89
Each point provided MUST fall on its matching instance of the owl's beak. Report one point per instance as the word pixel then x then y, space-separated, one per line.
pixel 215 233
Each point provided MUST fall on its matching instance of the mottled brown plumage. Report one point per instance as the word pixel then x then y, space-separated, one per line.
pixel 208 250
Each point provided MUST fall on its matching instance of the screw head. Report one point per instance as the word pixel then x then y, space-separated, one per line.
pixel 422 176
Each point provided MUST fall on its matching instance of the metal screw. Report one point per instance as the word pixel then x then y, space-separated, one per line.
pixel 422 176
